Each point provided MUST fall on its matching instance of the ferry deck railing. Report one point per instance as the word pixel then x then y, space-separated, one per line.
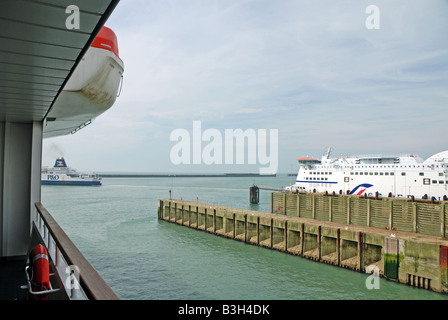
pixel 78 277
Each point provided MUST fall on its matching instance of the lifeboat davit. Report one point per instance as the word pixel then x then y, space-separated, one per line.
pixel 91 90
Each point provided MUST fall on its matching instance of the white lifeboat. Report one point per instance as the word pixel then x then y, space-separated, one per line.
pixel 91 90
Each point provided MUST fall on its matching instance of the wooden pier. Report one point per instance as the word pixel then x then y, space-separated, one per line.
pixel 411 258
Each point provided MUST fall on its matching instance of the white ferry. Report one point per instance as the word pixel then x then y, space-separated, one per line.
pixel 61 174
pixel 397 176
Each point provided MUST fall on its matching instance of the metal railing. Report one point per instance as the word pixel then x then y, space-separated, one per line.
pixel 78 277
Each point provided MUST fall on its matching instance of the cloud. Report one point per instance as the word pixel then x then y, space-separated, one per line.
pixel 310 69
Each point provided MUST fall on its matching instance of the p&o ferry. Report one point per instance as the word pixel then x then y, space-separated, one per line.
pixel 61 174
pixel 388 175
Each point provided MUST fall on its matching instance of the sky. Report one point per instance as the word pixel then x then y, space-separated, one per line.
pixel 311 70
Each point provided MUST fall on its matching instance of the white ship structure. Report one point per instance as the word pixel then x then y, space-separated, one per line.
pixel 396 176
pixel 91 90
pixel 61 174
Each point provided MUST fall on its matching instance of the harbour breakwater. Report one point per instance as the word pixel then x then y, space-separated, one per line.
pixel 411 258
pixel 181 175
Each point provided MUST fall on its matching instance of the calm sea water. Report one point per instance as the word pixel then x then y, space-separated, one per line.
pixel 116 228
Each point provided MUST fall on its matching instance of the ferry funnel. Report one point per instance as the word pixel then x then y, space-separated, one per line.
pixel 60 163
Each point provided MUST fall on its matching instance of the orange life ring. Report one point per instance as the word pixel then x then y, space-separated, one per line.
pixel 40 271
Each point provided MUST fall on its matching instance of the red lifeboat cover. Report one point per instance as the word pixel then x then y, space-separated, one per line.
pixel 307 159
pixel 106 39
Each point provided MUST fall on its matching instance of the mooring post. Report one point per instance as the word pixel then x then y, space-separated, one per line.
pixel 338 246
pixel 214 220
pixel 302 238
pixel 330 208
pixel 182 215
pixel 360 260
pixel 161 209
pixel 189 216
pixel 319 243
pixel 414 213
pixel 234 226
pixel 284 202
pixel 391 214
pixel 175 211
pixel 348 210
pixel 254 194
pixel 368 212
pixel 197 217
pixel 245 228
pixel 442 219
pixel 169 211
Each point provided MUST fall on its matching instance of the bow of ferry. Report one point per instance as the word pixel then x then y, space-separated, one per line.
pixel 54 80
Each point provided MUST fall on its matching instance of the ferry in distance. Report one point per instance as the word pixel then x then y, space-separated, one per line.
pixel 398 176
pixel 61 174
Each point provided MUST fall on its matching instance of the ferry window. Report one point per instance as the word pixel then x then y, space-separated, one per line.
pixel 356 173
pixel 346 179
pixel 434 181
pixel 326 178
pixel 403 173
pixel 331 172
pixel 386 173
pixel 440 174
pixel 371 173
pixel 376 173
pixel 426 181
pixel 381 173
pixel 392 173
pixel 422 173
pixel 351 173
pixel 440 181
pixel 361 173
pixel 366 173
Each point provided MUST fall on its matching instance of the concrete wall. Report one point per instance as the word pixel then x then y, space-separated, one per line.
pixel 407 258
pixel 401 214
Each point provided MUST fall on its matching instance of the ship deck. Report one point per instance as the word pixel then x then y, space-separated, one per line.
pixel 12 277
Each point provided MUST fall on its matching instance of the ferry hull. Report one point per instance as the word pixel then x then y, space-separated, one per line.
pixel 61 175
pixel 70 183
pixel 397 176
